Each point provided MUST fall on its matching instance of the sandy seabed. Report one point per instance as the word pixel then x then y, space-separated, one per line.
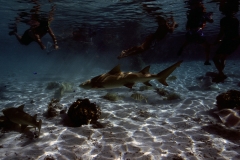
pixel 185 128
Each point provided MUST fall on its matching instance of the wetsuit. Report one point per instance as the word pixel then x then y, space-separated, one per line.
pixel 195 24
pixel 231 40
pixel 26 38
pixel 29 34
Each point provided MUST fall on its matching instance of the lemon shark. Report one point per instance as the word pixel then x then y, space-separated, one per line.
pixel 18 116
pixel 116 78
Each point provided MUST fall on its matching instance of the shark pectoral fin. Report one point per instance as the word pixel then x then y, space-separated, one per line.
pixel 163 81
pixel 97 85
pixel 129 85
pixel 21 107
pixel 35 117
pixel 147 83
pixel 23 127
pixel 145 70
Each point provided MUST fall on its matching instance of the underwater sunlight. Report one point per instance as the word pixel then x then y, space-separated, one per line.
pixel 120 80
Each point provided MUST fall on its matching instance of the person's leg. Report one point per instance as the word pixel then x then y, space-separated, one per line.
pixel 132 51
pixel 13 27
pixel 138 49
pixel 207 53
pixel 219 61
pixel 19 38
pixel 22 39
pixel 226 48
pixel 182 48
pixel 222 65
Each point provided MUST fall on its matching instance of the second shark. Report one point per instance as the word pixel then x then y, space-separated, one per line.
pixel 116 78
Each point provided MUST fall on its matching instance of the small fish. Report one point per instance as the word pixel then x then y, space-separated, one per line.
pixel 138 97
pixel 18 116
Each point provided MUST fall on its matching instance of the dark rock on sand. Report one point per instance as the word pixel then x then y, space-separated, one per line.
pixel 82 111
pixel 230 99
pixel 54 108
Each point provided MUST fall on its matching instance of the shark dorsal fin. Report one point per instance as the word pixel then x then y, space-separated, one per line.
pixel 35 117
pixel 21 107
pixel 115 70
pixel 145 70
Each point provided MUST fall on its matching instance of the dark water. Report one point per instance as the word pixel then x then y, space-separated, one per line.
pixel 102 30
pixel 90 36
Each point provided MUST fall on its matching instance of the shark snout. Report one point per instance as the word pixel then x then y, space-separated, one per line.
pixel 85 85
pixel 81 85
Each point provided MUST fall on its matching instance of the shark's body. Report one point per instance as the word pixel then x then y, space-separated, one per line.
pixel 116 78
pixel 18 116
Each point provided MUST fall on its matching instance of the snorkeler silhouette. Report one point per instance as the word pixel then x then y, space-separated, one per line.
pixel 196 21
pixel 165 26
pixel 228 36
pixel 39 27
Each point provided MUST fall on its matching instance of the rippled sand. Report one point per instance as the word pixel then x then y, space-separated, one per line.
pixel 184 128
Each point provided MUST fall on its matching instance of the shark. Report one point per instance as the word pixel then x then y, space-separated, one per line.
pixel 116 78
pixel 18 116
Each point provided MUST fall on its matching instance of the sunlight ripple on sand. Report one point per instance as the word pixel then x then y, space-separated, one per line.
pixel 181 128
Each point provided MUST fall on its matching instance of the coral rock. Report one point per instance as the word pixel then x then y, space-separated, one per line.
pixel 230 99
pixel 83 112
pixel 54 108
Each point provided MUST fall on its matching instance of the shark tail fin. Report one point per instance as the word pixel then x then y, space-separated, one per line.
pixel 163 81
pixel 39 125
pixel 162 76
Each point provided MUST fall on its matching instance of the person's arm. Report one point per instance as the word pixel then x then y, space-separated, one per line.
pixel 53 37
